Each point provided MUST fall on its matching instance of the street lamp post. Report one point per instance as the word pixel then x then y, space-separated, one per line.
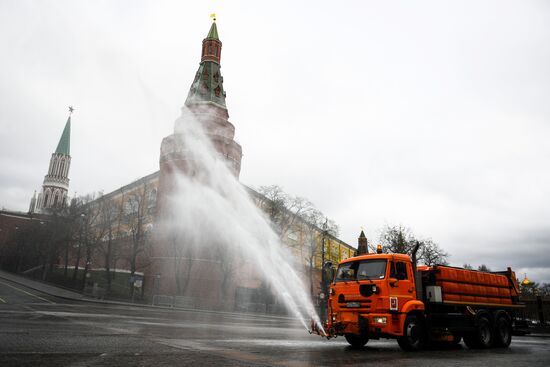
pixel 78 250
pixel 156 288
pixel 323 296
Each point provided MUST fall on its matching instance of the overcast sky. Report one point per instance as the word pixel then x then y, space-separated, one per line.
pixel 434 115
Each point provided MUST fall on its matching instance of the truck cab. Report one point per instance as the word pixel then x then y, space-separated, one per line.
pixel 371 296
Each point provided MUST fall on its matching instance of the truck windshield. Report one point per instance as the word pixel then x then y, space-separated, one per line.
pixel 358 270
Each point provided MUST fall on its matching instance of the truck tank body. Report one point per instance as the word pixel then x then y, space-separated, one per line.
pixel 463 286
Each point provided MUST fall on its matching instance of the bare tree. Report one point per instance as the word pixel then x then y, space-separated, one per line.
pixel 484 267
pixel 73 223
pixel 283 209
pixel 291 215
pixel 83 219
pixel 317 231
pixel 431 254
pixel 27 246
pixel 528 289
pixel 182 260
pixel 93 233
pixel 396 239
pixel 110 213
pixel 399 239
pixel 229 263
pixel 544 289
pixel 54 234
pixel 138 222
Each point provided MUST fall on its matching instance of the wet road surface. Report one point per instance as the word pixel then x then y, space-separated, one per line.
pixel 37 329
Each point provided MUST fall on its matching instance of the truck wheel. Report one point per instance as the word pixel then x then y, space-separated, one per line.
pixel 413 338
pixel 503 332
pixel 356 341
pixel 482 337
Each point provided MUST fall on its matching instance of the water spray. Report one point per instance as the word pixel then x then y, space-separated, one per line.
pixel 210 207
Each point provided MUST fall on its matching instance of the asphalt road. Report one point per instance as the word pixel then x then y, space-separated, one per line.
pixel 41 330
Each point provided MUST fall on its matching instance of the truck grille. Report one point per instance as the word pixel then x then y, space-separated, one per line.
pixel 354 302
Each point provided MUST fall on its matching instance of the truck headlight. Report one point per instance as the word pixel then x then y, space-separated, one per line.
pixel 380 320
pixel 374 289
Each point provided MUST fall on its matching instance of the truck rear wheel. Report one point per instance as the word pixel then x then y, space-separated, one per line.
pixel 356 341
pixel 413 338
pixel 503 332
pixel 482 337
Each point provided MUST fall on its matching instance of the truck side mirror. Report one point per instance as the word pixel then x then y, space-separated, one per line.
pixel 393 282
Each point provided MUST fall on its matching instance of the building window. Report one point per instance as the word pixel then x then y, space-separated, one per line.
pixel 152 199
pixel 292 236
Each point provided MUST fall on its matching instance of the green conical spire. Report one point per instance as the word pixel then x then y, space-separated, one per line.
pixel 64 145
pixel 213 33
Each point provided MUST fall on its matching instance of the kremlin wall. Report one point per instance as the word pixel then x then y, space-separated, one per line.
pixel 142 261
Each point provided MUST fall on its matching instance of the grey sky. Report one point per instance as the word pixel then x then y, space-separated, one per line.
pixel 434 115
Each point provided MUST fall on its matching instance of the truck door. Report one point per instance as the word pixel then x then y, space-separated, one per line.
pixel 403 289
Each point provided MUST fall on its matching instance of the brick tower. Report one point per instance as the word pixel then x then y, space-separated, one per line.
pixel 206 104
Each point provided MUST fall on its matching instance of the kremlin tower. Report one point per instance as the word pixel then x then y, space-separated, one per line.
pixel 206 104
pixel 56 182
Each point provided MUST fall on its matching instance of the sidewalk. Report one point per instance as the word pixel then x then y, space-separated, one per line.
pixel 52 290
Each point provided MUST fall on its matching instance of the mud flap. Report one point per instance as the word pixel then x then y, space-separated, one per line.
pixel 364 326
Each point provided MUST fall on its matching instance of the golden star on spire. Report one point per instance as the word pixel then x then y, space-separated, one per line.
pixel 213 16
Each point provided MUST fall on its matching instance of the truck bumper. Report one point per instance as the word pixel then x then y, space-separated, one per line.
pixel 374 325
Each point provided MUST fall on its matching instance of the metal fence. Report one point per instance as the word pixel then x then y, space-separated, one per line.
pixel 536 311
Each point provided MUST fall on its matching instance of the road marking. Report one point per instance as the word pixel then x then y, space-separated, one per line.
pixel 30 294
pixel 1 300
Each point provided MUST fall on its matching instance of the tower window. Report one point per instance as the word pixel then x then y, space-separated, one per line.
pixel 217 91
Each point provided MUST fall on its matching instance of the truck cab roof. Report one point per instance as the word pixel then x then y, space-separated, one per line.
pixel 402 257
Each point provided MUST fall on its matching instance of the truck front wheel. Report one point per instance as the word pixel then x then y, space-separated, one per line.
pixel 413 338
pixel 356 341
pixel 482 337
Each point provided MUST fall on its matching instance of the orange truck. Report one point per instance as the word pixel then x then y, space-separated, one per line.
pixel 382 295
